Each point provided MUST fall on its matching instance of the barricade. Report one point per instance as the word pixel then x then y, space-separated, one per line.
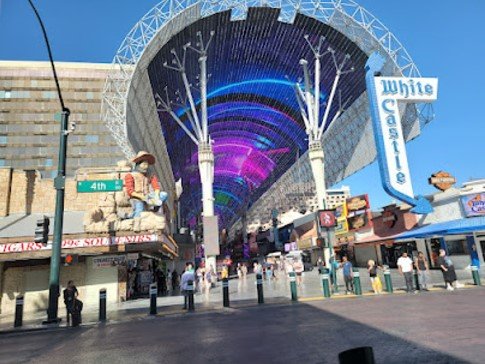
pixel 190 294
pixel 357 286
pixel 326 283
pixel 153 298
pixel 476 275
pixel 225 292
pixel 388 280
pixel 19 311
pixel 102 304
pixel 294 295
pixel 259 286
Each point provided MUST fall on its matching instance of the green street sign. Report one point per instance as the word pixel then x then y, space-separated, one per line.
pixel 100 186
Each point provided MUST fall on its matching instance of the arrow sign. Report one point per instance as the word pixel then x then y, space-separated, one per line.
pixel 384 95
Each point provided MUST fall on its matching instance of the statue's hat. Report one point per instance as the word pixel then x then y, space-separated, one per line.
pixel 144 156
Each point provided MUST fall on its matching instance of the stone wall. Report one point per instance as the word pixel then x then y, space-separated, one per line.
pixel 5 183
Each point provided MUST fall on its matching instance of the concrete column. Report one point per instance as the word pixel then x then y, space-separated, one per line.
pixel 206 170
pixel 421 245
pixel 317 163
pixel 479 249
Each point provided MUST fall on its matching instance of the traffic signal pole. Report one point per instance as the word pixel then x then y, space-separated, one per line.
pixel 59 184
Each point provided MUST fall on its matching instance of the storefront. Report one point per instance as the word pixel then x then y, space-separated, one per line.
pixel 99 262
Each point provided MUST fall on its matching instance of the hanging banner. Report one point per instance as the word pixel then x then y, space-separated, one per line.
pixel 384 94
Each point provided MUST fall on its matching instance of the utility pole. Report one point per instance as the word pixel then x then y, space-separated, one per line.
pixel 59 184
pixel 308 99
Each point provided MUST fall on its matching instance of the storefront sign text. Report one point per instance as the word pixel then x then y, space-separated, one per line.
pixel 474 205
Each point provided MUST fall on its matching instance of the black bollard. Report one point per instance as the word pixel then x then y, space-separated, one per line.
pixel 190 293
pixel 153 298
pixel 225 292
pixel 102 304
pixel 362 355
pixel 259 285
pixel 19 311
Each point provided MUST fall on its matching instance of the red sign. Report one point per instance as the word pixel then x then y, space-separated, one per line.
pixel 326 218
pixel 79 243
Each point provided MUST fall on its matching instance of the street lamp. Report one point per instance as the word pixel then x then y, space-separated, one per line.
pixel 59 183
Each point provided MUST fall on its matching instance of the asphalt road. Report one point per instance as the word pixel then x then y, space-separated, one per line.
pixel 439 327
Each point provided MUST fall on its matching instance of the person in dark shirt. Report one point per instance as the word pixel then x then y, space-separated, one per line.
pixel 448 270
pixel 70 295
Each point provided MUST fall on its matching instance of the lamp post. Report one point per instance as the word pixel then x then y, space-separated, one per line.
pixel 59 184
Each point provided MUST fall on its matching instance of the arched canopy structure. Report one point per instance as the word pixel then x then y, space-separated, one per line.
pixel 253 114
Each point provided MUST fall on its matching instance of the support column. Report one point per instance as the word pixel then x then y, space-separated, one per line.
pixel 206 168
pixel 318 169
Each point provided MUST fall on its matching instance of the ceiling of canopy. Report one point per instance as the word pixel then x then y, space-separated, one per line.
pixel 253 114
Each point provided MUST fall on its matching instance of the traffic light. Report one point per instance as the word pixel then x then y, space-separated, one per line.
pixel 70 259
pixel 42 230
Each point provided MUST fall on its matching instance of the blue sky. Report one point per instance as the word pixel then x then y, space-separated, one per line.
pixel 445 38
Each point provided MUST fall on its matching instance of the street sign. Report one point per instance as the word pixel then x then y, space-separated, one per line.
pixel 100 186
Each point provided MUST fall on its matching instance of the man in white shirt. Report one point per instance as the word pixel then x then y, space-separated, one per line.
pixel 405 265
pixel 187 277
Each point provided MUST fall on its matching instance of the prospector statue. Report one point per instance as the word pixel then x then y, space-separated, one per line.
pixel 136 208
pixel 142 189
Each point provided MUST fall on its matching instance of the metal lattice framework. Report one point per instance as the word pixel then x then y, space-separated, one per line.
pixel 346 16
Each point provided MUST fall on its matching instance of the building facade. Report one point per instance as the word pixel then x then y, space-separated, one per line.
pixel 29 133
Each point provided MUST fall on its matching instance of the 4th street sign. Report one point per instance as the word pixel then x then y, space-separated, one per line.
pixel 100 186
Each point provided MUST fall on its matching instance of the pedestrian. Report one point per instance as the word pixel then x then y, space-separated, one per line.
pixel 405 265
pixel 269 272
pixel 161 282
pixel 320 265
pixel 224 272
pixel 244 270
pixel 175 279
pixel 448 270
pixel 70 295
pixel 208 278
pixel 187 279
pixel 348 275
pixel 169 281
pixel 374 278
pixel 422 266
pixel 239 270
pixel 299 268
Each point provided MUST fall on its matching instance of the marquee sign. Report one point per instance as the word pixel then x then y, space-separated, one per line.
pixel 79 243
pixel 384 95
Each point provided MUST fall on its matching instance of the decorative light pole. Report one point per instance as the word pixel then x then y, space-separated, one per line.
pixel 199 133
pixel 315 124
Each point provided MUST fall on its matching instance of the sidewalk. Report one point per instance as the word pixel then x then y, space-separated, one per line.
pixel 242 294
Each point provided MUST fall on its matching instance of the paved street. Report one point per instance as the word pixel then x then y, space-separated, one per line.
pixel 240 290
pixel 436 327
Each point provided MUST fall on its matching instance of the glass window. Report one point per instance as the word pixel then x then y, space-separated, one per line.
pixel 48 162
pixel 2 162
pixel 5 94
pixel 92 138
pixel 3 139
pixel 457 247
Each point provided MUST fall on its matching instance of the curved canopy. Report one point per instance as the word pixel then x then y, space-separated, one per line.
pixel 253 63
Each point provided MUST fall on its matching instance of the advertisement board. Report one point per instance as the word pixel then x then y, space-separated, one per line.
pixel 474 205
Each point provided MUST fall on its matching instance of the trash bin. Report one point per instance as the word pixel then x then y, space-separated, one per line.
pixel 77 308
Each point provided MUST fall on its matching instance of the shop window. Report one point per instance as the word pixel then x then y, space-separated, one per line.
pixel 457 247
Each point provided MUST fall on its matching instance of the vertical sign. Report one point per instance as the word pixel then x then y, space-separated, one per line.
pixel 384 94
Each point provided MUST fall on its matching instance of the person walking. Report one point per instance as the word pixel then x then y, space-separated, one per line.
pixel 187 276
pixel 348 275
pixel 448 270
pixel 374 278
pixel 169 281
pixel 244 270
pixel 422 267
pixel 405 265
pixel 239 270
pixel 175 280
pixel 70 294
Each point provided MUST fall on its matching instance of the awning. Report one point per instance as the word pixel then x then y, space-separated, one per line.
pixel 375 239
pixel 453 227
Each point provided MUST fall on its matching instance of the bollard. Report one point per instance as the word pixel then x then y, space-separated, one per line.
pixel 326 283
pixel 387 278
pixel 294 296
pixel 357 286
pixel 362 355
pixel 416 280
pixel 102 304
pixel 153 298
pixel 476 275
pixel 225 292
pixel 190 293
pixel 259 285
pixel 19 311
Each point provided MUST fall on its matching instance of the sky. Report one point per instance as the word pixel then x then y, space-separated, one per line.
pixel 445 38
